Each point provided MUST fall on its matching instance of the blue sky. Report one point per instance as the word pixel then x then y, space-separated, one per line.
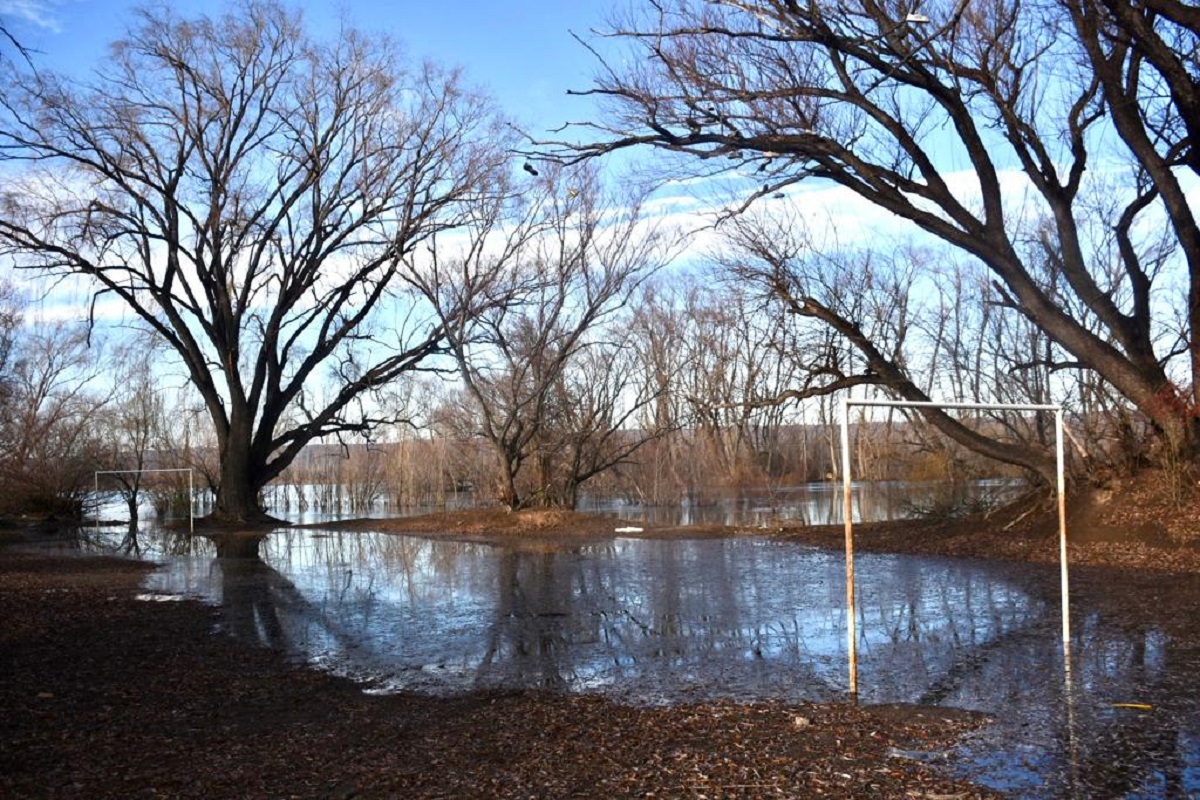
pixel 521 50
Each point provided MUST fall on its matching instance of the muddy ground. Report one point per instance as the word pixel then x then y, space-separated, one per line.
pixel 104 695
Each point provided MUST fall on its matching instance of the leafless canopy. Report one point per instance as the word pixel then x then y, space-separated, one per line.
pixel 548 372
pixel 255 197
pixel 989 124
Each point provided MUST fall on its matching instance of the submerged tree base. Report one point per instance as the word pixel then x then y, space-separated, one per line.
pixel 238 535
pixel 254 518
pixel 237 544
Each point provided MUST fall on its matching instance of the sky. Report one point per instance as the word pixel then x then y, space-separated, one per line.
pixel 521 50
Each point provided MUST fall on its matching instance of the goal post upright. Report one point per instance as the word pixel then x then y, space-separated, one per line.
pixel 1061 490
pixel 848 521
pixel 848 511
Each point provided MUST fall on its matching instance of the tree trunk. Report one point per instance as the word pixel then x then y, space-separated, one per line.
pixel 508 493
pixel 237 499
pixel 238 544
pixel 241 481
pixel 131 500
pixel 570 499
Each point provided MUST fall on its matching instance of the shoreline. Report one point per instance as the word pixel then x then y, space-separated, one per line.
pixel 108 696
pixel 1092 542
pixel 1005 537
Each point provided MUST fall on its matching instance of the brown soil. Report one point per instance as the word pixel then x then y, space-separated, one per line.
pixel 102 695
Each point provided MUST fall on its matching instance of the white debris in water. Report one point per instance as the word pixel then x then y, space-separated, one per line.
pixel 628 530
pixel 155 597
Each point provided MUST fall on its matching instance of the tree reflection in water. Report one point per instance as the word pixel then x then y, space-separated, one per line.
pixel 663 621
pixel 251 596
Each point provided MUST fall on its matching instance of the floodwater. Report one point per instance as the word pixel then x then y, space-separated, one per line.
pixel 812 503
pixel 652 621
pixel 819 503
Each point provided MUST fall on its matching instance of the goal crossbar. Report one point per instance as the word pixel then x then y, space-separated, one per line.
pixel 191 490
pixel 848 510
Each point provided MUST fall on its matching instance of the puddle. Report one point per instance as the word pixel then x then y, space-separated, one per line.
pixel 650 621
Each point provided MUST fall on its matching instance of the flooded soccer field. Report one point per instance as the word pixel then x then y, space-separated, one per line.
pixel 665 621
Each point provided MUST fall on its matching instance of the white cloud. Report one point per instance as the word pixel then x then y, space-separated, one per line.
pixel 836 217
pixel 42 14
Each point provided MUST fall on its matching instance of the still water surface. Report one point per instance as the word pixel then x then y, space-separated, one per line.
pixel 818 503
pixel 651 621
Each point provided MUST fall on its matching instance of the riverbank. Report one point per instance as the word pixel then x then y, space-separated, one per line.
pixel 105 695
pixel 544 525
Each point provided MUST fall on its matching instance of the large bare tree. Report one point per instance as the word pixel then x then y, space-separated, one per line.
pixel 259 199
pixel 988 124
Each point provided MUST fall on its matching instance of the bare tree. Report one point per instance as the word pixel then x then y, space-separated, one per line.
pixel 597 431
pixel 48 446
pixel 660 337
pixel 10 321
pixel 187 442
pixel 728 369
pixel 865 300
pixel 132 425
pixel 741 364
pixel 888 102
pixel 256 198
pixel 8 40
pixel 577 258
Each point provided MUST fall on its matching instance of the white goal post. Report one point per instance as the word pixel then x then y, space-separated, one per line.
pixel 848 509
pixel 191 489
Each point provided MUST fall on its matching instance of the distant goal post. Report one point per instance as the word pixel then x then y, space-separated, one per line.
pixel 191 489
pixel 848 508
